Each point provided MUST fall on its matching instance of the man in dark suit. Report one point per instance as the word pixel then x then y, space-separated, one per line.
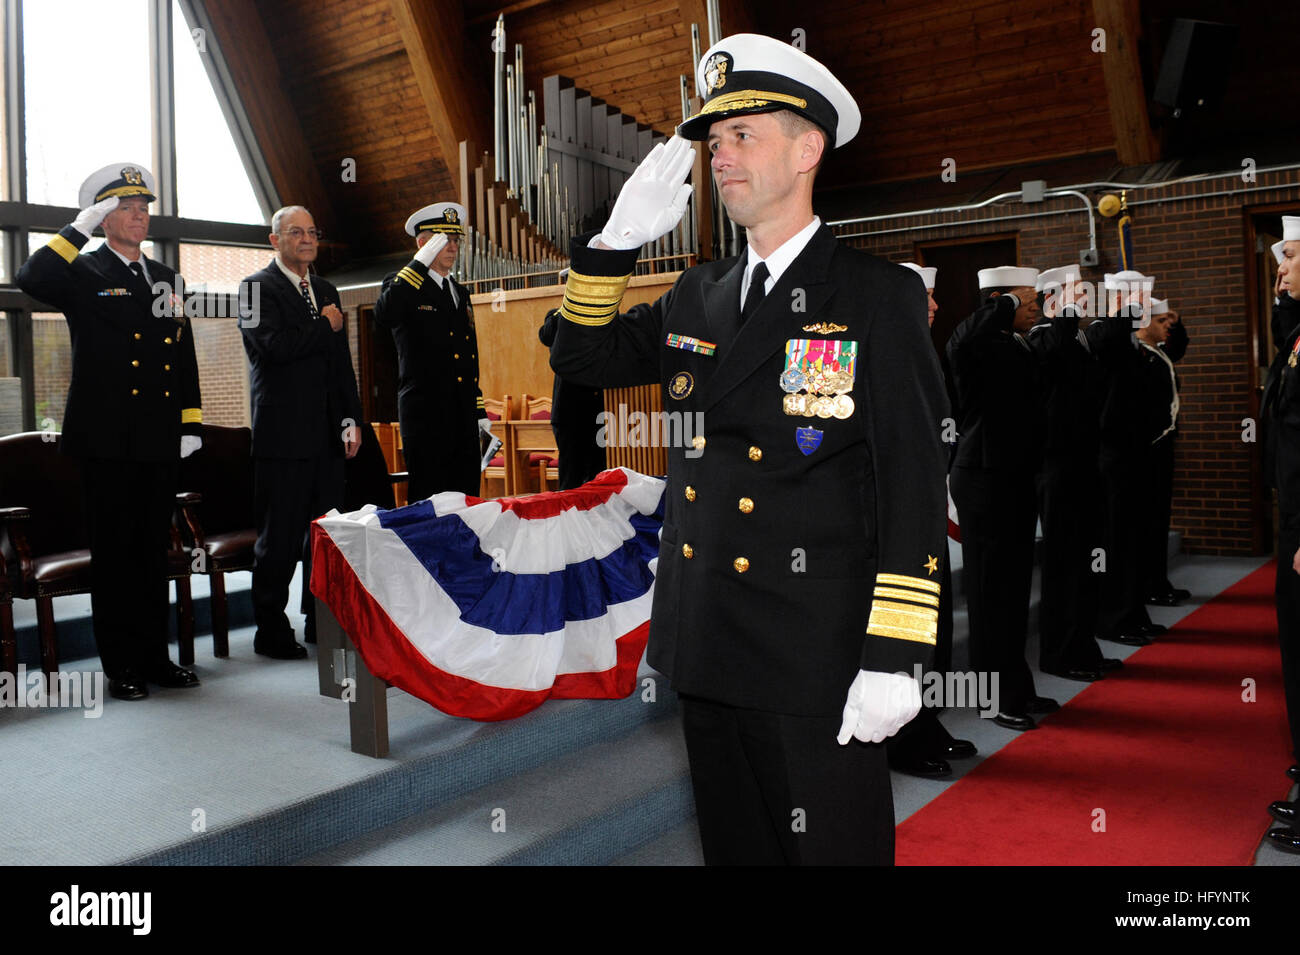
pixel 1281 412
pixel 306 419
pixel 999 449
pixel 438 399
pixel 575 419
pixel 818 480
pixel 133 412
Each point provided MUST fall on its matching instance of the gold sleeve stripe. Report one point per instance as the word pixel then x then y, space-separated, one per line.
pixel 411 277
pixel 601 288
pixel 591 322
pixel 900 594
pixel 922 616
pixel 900 580
pixel 66 250
pixel 594 311
pixel 191 416
pixel 902 621
pixel 901 633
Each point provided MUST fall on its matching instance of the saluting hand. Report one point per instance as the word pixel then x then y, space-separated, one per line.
pixel 88 219
pixel 653 199
pixel 426 253
pixel 335 317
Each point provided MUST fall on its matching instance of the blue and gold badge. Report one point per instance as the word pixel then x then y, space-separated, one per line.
pixel 680 385
pixel 808 439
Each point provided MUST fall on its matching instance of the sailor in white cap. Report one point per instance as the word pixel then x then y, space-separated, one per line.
pixel 1281 409
pixel 818 481
pixel 438 401
pixel 1067 481
pixel 928 275
pixel 132 413
pixel 999 447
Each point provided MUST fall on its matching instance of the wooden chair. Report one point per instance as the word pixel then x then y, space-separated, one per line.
pixel 537 454
pixel 43 536
pixel 499 411
pixel 389 436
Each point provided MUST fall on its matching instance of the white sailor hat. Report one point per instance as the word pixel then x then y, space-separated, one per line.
pixel 1008 276
pixel 121 179
pixel 1276 248
pixel 1159 306
pixel 1128 279
pixel 1290 228
pixel 448 217
pixel 1059 277
pixel 927 274
pixel 750 73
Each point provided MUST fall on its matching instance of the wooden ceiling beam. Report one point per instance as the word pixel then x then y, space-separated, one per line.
pixel 435 36
pixel 1135 143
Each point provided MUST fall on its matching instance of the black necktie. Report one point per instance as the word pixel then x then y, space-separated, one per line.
pixel 446 293
pixel 138 271
pixel 306 294
pixel 757 290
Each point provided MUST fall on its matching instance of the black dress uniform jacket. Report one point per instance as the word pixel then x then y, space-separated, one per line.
pixel 764 589
pixel 135 382
pixel 1286 326
pixel 438 399
pixel 303 389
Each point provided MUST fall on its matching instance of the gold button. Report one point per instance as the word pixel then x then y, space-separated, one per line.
pixel 690 493
pixel 746 505
pixel 459 378
pixel 687 551
pixel 137 336
pixel 135 362
pixel 741 564
pixel 167 341
pixel 451 334
pixel 167 367
pixel 167 394
pixel 698 442
pixel 135 391
pixel 755 453
pixel 455 355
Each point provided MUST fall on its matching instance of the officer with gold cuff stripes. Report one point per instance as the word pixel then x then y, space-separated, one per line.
pixel 438 399
pixel 132 413
pixel 799 567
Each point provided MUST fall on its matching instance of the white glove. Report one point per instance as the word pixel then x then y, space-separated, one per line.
pixel 879 705
pixel 426 253
pixel 485 425
pixel 189 444
pixel 88 219
pixel 653 199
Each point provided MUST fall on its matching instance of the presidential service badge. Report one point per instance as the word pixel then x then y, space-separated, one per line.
pixel 681 385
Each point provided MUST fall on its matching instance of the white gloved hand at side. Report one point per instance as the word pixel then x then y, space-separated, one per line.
pixel 189 444
pixel 879 705
pixel 653 199
pixel 88 219
pixel 426 253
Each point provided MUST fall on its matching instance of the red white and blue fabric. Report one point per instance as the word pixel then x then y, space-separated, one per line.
pixel 486 609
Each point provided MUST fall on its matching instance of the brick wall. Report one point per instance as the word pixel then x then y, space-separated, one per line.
pixel 1194 241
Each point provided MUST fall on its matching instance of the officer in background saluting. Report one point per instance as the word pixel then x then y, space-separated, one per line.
pixel 132 413
pixel 438 399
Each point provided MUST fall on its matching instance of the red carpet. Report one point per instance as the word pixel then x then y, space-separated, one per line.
pixel 1181 766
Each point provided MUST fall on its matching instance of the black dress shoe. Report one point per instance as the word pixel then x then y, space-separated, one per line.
pixel 1284 812
pixel 958 749
pixel 284 648
pixel 1132 639
pixel 1288 840
pixel 1015 721
pixel 919 766
pixel 1152 629
pixel 1042 704
pixel 1294 773
pixel 1169 599
pixel 1110 664
pixel 128 688
pixel 1081 674
pixel 1180 593
pixel 173 677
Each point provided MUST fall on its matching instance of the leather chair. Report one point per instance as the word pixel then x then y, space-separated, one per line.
pixel 217 483
pixel 8 640
pixel 43 537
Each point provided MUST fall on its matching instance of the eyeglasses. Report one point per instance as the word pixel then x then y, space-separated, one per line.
pixel 297 234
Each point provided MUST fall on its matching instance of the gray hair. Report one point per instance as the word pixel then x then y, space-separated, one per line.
pixel 281 213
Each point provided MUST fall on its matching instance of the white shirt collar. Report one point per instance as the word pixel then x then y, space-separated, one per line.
pixel 780 259
pixel 144 264
pixel 296 280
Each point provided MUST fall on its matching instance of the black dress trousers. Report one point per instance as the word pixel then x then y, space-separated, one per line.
pixel 1287 592
pixel 128 510
pixel 1067 609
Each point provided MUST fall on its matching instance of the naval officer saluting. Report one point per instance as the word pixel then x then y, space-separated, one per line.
pixel 438 399
pixel 132 413
pixel 799 567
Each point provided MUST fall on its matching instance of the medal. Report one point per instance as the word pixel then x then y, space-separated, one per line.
pixel 843 406
pixel 825 407
pixel 810 406
pixel 792 380
pixel 794 404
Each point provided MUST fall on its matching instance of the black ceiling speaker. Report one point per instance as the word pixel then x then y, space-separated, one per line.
pixel 1198 58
